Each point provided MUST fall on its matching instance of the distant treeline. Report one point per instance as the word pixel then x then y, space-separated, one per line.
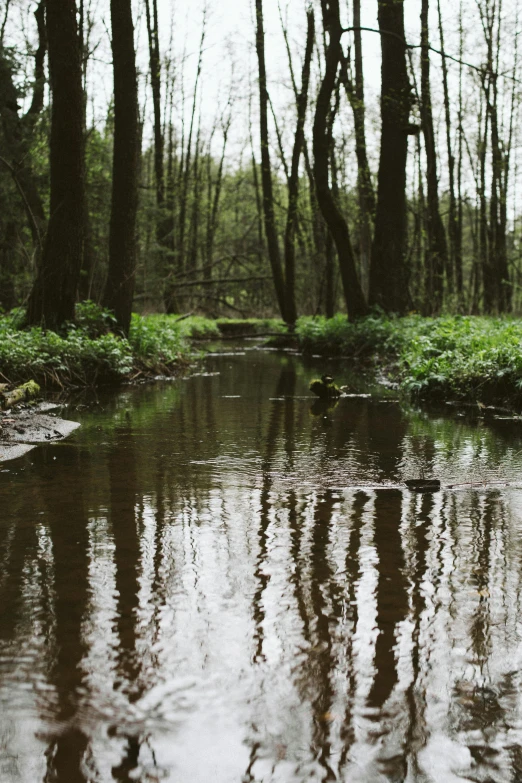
pixel 159 216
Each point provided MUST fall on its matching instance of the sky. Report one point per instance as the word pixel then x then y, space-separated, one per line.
pixel 229 60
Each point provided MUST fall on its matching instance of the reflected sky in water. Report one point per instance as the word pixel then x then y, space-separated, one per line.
pixel 216 581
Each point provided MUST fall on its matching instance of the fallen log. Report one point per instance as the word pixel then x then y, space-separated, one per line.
pixel 27 391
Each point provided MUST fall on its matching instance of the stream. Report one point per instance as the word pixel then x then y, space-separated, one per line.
pixel 215 580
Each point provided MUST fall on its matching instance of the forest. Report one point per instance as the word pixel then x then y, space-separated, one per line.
pixel 344 159
pixel 320 210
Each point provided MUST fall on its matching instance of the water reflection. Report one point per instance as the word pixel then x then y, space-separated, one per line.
pixel 223 586
pixel 66 516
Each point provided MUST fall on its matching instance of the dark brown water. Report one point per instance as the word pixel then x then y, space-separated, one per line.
pixel 210 584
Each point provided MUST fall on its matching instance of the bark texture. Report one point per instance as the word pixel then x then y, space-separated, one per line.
pixel 53 296
pixel 436 260
pixel 274 254
pixel 293 180
pixel 119 289
pixel 355 302
pixel 388 273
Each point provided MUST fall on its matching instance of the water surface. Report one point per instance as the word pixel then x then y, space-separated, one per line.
pixel 214 581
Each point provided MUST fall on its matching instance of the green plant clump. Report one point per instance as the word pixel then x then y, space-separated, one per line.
pixel 463 357
pixel 87 353
pixel 339 337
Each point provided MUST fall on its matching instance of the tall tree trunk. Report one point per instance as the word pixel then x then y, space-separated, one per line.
pixel 322 246
pixel 417 251
pixel 366 195
pixel 437 251
pixel 196 207
pixel 451 272
pixel 184 183
pixel 459 210
pixel 155 83
pixel 488 280
pixel 214 200
pixel 499 180
pixel 293 180
pixel 89 256
pixel 506 285
pixel 119 289
pixel 54 291
pixel 388 273
pixel 354 297
pixel 266 171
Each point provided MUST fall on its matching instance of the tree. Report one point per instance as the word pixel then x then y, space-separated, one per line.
pixel 293 179
pixel 274 254
pixel 119 289
pixel 155 81
pixel 388 273
pixel 354 297
pixel 454 224
pixel 53 295
pixel 437 250
pixel 366 195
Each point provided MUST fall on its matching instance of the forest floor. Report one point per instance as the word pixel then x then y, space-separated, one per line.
pixel 26 426
pixel 87 353
pixel 468 358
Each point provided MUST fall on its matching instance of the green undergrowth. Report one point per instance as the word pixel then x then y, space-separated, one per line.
pixel 236 327
pixel 451 357
pixel 88 353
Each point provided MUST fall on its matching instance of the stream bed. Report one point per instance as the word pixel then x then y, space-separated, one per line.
pixel 215 580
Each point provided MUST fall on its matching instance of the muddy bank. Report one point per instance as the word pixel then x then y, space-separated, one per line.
pixel 23 429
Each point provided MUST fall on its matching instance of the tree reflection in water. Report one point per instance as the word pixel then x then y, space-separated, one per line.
pixel 67 514
pixel 220 592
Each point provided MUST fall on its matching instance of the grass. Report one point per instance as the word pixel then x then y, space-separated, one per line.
pixel 87 353
pixel 451 357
